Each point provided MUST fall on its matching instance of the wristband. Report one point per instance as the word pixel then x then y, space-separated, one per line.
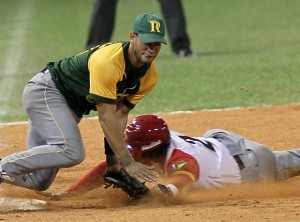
pixel 108 150
pixel 173 189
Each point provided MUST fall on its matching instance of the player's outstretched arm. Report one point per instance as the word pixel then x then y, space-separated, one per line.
pixel 92 180
pixel 180 176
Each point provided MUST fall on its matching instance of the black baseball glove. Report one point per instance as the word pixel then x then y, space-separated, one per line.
pixel 131 186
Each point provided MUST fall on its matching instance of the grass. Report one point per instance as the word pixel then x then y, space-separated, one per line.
pixel 248 51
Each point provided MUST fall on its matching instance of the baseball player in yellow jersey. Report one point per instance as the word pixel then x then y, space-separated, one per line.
pixel 110 79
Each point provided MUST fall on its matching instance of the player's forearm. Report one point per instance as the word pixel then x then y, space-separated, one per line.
pixel 113 129
pixel 90 181
pixel 115 139
pixel 125 158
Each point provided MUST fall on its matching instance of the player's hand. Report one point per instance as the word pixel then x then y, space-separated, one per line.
pixel 142 172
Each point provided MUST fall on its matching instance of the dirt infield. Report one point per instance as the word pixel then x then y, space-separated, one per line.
pixel 278 127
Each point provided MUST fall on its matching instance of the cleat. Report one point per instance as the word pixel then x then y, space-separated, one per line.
pixel 4 176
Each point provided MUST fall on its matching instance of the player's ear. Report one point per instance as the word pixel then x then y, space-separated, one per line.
pixel 131 36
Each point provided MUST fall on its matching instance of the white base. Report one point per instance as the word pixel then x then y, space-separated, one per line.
pixel 20 204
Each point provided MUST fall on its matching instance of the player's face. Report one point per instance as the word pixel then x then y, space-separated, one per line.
pixel 143 53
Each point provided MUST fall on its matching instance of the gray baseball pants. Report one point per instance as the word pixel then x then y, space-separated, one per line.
pixel 53 139
pixel 256 161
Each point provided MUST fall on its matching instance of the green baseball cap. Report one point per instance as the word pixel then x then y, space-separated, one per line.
pixel 150 28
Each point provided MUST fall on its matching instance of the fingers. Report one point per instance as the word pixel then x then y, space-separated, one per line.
pixel 149 167
pixel 149 176
pixel 142 172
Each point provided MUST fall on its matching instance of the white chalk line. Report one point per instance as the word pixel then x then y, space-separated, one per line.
pixel 174 112
pixel 2 125
pixel 14 54
pixel 159 113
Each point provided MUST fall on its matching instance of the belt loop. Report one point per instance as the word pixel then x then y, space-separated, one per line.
pixel 239 162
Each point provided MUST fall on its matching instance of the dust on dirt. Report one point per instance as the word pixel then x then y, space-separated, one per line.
pixel 276 126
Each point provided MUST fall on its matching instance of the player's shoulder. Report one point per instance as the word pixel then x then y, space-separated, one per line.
pixel 108 51
pixel 109 55
pixel 153 70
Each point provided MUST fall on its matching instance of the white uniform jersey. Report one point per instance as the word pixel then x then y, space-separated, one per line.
pixel 217 166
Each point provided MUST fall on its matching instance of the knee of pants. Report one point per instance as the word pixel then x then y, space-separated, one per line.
pixel 41 180
pixel 209 133
pixel 67 155
pixel 265 167
pixel 75 156
pixel 78 160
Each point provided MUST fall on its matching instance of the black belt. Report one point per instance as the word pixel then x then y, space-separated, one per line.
pixel 239 162
pixel 45 70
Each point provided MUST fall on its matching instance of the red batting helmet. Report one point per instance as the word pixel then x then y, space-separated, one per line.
pixel 147 136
